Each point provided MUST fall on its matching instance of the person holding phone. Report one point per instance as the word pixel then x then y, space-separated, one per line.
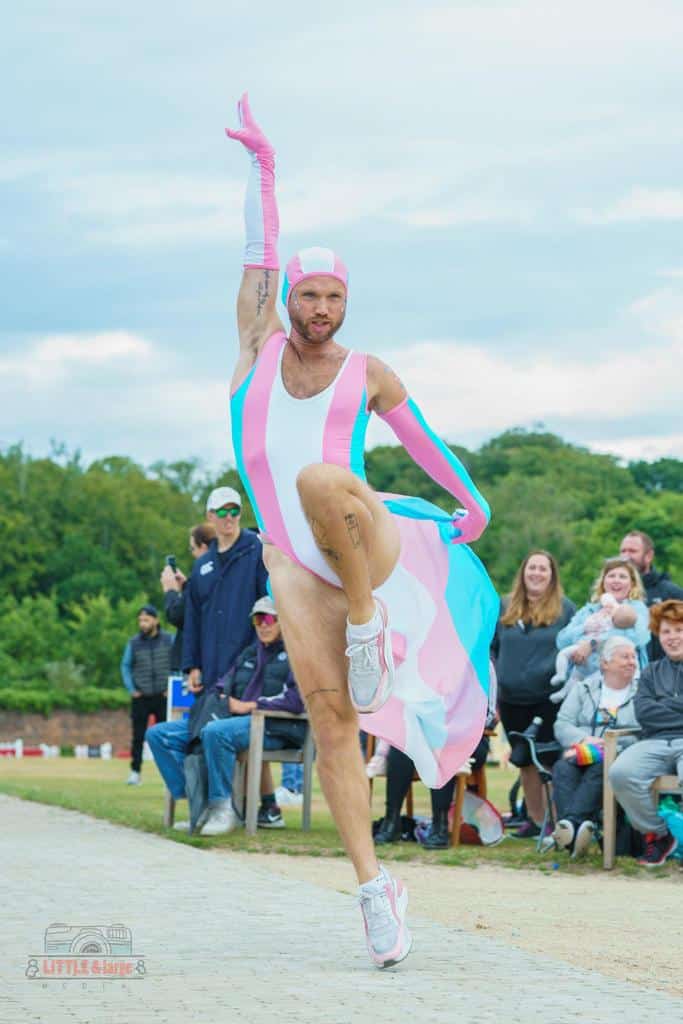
pixel 173 583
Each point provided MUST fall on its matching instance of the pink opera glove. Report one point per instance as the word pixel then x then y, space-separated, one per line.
pixel 260 208
pixel 432 455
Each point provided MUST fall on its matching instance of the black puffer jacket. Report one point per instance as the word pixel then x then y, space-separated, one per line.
pixel 262 673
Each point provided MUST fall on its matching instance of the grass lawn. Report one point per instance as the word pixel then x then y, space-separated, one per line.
pixel 98 788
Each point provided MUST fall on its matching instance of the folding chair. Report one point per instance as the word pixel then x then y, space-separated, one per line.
pixel 536 751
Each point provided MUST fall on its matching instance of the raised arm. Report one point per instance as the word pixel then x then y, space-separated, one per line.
pixel 257 318
pixel 389 399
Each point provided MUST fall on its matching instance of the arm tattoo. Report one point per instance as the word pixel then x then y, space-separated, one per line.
pixel 320 537
pixel 262 292
pixel 353 527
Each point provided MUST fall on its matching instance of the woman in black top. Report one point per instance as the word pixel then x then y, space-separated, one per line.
pixel 524 651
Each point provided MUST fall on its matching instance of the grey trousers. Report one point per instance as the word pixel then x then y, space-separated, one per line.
pixel 632 774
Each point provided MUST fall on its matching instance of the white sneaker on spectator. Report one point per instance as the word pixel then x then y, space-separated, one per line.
pixel 222 818
pixel 181 826
pixel 134 779
pixel 383 903
pixel 584 837
pixel 564 833
pixel 288 798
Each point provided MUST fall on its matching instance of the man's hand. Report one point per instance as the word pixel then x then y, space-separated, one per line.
pixel 194 681
pixel 249 133
pixel 242 707
pixel 171 580
pixel 136 693
pixel 582 652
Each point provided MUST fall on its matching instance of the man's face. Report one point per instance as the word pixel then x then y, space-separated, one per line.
pixel 317 308
pixel 671 639
pixel 634 549
pixel 226 521
pixel 147 623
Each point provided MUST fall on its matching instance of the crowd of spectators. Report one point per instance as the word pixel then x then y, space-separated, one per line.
pixel 616 662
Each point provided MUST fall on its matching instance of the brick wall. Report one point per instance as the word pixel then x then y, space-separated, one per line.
pixel 66 728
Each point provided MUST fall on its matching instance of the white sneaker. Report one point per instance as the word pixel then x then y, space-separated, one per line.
pixel 286 798
pixel 181 826
pixel 221 819
pixel 584 837
pixel 134 779
pixel 371 664
pixel 383 903
pixel 377 765
pixel 564 834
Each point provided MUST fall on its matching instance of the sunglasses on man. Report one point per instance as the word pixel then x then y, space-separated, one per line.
pixel 263 619
pixel 223 512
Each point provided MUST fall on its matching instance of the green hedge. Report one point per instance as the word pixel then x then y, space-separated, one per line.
pixel 44 701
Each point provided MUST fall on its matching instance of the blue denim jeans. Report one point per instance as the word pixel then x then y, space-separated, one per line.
pixel 293 777
pixel 222 742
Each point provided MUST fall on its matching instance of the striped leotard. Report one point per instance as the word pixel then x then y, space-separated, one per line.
pixel 442 607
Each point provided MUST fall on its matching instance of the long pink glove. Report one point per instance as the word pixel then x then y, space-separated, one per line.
pixel 260 208
pixel 429 452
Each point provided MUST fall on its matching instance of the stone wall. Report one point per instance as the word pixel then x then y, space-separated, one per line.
pixel 67 728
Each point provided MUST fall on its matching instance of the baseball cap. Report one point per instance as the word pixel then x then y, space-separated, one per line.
pixel 221 496
pixel 149 609
pixel 265 605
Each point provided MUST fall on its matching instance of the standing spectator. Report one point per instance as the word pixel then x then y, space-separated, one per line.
pixel 639 548
pixel 223 586
pixel 620 580
pixel 524 650
pixel 173 583
pixel 659 710
pixel 145 668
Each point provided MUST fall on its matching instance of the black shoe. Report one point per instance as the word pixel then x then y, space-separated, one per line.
pixel 438 838
pixel 657 849
pixel 270 817
pixel 389 830
pixel 529 830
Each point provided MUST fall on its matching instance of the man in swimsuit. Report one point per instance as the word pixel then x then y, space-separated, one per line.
pixel 341 543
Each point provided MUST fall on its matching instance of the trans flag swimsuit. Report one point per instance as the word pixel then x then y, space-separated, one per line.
pixel 442 606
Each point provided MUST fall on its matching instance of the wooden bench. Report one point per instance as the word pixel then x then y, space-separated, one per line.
pixel 662 784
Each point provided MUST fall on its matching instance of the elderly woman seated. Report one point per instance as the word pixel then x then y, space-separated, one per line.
pixel 605 700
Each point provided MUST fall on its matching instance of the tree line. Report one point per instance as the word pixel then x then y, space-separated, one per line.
pixel 83 546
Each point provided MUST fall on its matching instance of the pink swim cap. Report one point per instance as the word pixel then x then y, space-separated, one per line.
pixel 312 263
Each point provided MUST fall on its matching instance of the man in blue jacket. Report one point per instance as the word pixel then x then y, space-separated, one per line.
pixel 224 585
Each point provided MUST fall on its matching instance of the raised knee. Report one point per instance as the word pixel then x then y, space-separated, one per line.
pixel 317 482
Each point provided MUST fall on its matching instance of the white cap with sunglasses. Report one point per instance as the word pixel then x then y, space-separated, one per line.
pixel 221 496
pixel 265 606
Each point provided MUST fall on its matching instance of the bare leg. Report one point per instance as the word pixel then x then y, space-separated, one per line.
pixel 353 530
pixel 266 779
pixel 312 615
pixel 533 793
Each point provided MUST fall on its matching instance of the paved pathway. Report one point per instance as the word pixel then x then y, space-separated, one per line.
pixel 220 945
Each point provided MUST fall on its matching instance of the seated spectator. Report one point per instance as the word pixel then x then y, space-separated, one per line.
pixel 659 710
pixel 616 608
pixel 260 678
pixel 400 771
pixel 603 701
pixel 173 583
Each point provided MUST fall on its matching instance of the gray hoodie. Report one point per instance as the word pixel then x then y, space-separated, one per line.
pixel 659 704
pixel 580 714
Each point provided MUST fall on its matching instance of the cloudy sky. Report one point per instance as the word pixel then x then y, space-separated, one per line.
pixel 504 180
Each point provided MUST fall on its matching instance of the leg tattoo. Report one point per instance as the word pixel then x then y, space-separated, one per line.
pixel 353 527
pixel 320 536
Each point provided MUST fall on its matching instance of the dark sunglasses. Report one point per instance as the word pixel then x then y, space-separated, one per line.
pixel 263 619
pixel 223 512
